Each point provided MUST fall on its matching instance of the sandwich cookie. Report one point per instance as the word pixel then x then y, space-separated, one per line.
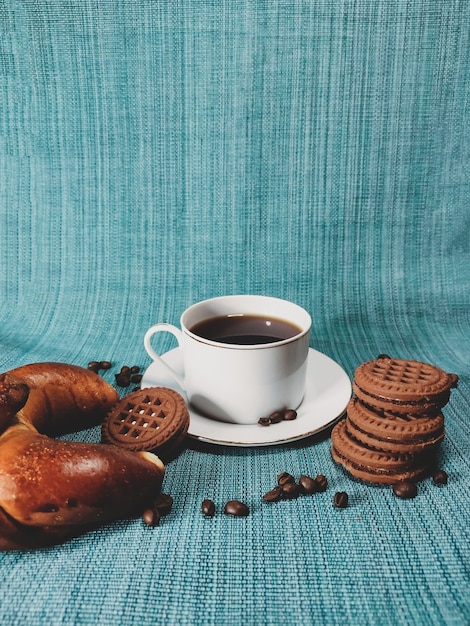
pixel 403 386
pixel 393 433
pixel 155 420
pixel 375 466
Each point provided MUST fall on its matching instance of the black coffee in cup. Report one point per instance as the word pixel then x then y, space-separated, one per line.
pixel 245 329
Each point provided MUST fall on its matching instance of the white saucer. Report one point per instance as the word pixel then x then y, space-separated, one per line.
pixel 327 394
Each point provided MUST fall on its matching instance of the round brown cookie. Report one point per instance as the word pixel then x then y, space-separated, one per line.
pixel 372 465
pixel 155 419
pixel 393 433
pixel 403 386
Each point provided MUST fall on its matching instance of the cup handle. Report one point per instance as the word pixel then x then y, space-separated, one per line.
pixel 167 328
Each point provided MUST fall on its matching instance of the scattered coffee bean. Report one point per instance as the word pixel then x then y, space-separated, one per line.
pixel 273 495
pixel 440 477
pixel 208 507
pixel 285 477
pixel 151 517
pixel 236 508
pixel 321 482
pixel 307 484
pixel 128 375
pixel 290 414
pixel 122 380
pixel 290 491
pixel 163 503
pixel 276 417
pixel 405 490
pixel 125 376
pixel 340 499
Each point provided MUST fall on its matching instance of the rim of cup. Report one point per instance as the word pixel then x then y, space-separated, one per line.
pixel 301 319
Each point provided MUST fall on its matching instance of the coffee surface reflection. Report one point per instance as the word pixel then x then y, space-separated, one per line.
pixel 245 330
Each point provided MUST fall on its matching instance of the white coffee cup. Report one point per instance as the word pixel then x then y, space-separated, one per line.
pixel 240 382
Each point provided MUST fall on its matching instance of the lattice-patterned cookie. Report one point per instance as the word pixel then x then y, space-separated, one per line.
pixel 376 466
pixel 391 432
pixel 403 386
pixel 155 419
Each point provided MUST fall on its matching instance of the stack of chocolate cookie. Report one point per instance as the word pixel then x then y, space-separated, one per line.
pixel 394 423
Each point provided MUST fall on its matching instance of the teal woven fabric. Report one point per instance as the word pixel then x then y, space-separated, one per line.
pixel 156 153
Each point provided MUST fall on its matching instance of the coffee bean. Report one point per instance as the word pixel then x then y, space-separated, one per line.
pixel 405 490
pixel 163 503
pixel 105 365
pixel 136 378
pixel 125 369
pixel 264 421
pixel 151 517
pixel 122 380
pixel 236 508
pixel 135 369
pixel 321 482
pixel 208 508
pixel 340 499
pixel 440 477
pixel 274 494
pixel 307 484
pixel 285 477
pixel 276 417
pixel 290 414
pixel 94 366
pixel 290 491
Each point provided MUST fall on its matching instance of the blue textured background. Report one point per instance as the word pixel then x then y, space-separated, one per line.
pixel 157 153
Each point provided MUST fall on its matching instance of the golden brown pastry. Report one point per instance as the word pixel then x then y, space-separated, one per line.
pixel 52 490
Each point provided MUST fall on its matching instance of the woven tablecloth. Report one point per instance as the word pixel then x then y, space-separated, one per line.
pixel 156 153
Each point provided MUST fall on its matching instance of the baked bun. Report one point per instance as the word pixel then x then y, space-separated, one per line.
pixel 52 490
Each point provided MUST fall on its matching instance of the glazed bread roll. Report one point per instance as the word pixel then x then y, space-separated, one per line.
pixel 62 398
pixel 52 490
